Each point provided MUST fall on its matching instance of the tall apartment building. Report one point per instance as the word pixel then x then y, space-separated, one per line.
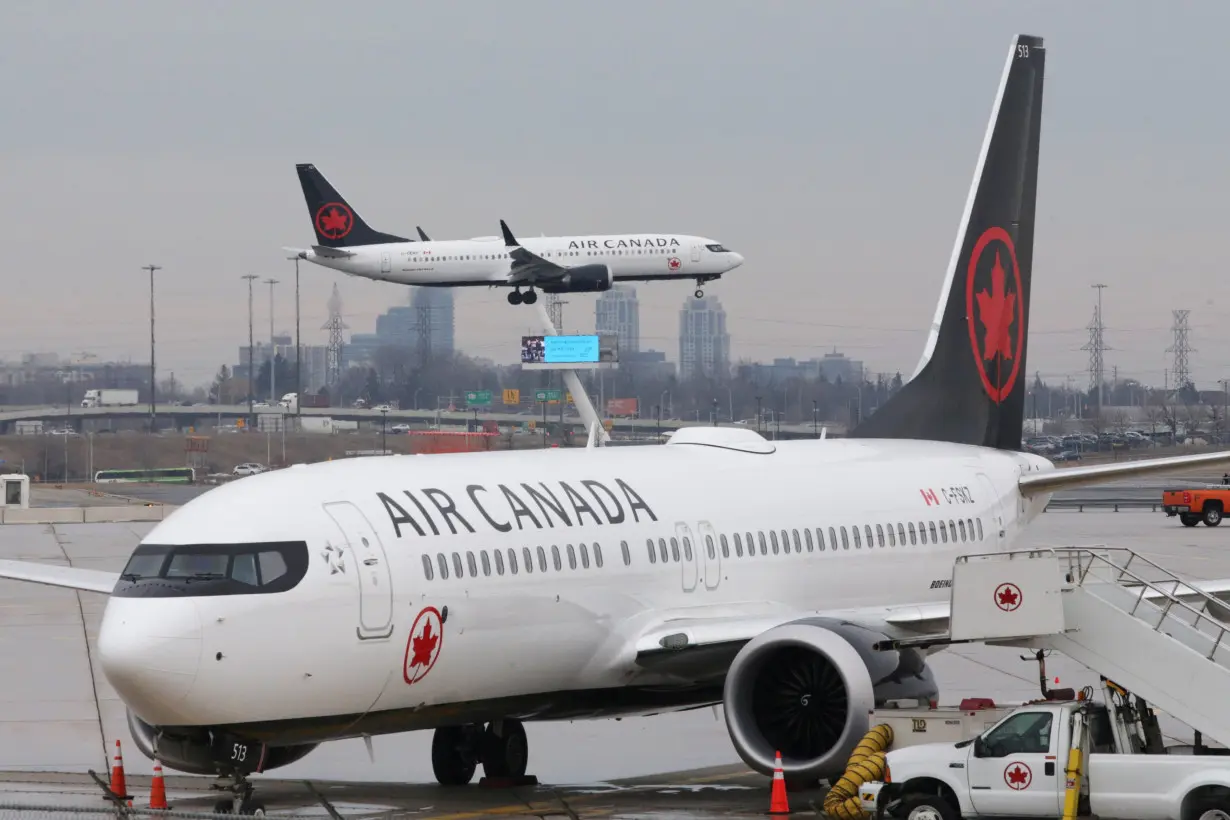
pixel 704 344
pixel 617 312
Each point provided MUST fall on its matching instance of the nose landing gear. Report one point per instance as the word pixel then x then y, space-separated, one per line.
pixel 516 297
pixel 242 801
pixel 700 286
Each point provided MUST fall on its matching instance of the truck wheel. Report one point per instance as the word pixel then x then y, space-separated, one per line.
pixel 1209 808
pixel 1189 520
pixel 1212 515
pixel 926 807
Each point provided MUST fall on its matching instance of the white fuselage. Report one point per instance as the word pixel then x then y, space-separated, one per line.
pixel 485 260
pixel 339 643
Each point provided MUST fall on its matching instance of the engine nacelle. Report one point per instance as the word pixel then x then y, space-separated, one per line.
pixel 581 279
pixel 210 752
pixel 805 689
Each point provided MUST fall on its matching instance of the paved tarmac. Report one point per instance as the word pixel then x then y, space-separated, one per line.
pixel 58 713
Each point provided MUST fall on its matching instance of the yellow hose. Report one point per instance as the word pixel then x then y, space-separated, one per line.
pixel 866 764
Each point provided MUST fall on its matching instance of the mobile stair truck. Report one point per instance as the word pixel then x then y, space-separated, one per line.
pixel 1130 621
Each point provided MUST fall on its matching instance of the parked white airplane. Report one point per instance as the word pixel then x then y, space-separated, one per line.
pixel 470 593
pixel 553 264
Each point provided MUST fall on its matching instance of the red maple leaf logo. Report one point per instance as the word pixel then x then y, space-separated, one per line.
pixel 424 647
pixel 995 312
pixel 1007 597
pixel 1017 776
pixel 333 223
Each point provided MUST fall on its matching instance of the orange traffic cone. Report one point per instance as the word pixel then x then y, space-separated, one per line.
pixel 777 802
pixel 158 789
pixel 118 785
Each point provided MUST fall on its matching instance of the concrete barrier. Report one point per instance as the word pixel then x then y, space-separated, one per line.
pixel 85 515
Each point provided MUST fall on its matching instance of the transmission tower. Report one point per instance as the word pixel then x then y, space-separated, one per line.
pixel 555 309
pixel 1097 349
pixel 1181 349
pixel 335 326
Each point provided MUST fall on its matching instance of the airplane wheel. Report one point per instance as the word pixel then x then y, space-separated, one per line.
pixel 514 297
pixel 530 297
pixel 452 760
pixel 506 751
pixel 252 808
pixel 700 294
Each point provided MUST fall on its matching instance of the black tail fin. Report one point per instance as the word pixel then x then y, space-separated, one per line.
pixel 337 225
pixel 970 385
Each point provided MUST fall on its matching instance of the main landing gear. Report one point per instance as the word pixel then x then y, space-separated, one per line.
pixel 516 297
pixel 501 747
pixel 242 801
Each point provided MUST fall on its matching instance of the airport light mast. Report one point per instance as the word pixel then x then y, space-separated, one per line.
pixel 153 382
pixel 272 348
pixel 251 375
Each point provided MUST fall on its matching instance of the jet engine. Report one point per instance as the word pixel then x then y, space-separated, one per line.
pixel 581 279
pixel 805 688
pixel 198 750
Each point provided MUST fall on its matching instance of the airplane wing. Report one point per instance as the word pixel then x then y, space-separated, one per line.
pixel 1066 478
pixel 528 268
pixel 86 580
pixel 696 648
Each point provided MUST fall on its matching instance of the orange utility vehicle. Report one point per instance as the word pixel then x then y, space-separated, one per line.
pixel 1207 504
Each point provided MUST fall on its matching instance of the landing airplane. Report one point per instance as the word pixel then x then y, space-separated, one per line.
pixel 471 593
pixel 552 264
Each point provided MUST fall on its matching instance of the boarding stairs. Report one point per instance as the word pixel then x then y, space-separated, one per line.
pixel 1118 613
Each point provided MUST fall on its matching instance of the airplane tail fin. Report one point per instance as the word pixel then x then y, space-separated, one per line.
pixel 336 223
pixel 969 387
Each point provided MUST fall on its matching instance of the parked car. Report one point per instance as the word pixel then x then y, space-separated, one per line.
pixel 249 468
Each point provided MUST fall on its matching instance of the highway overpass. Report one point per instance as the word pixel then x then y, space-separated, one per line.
pixel 205 415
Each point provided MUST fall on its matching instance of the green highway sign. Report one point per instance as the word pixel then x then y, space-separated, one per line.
pixel 478 398
pixel 547 395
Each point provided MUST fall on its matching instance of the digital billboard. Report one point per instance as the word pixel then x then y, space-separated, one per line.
pixel 563 352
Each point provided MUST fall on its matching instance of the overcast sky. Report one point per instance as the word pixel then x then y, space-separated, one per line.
pixel 832 144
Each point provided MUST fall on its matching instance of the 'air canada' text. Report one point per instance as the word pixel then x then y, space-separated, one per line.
pixel 430 510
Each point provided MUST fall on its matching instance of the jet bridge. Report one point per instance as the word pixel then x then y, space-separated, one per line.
pixel 1112 610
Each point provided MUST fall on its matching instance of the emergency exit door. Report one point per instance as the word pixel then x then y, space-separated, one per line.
pixel 371 565
pixel 696 253
pixel 386 262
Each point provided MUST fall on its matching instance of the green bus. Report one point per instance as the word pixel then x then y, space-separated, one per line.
pixel 155 475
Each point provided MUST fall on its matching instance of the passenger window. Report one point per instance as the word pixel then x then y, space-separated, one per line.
pixel 243 568
pixel 867 532
pixel 653 555
pixel 943 533
pixel 598 555
pixel 811 547
pixel 585 556
pixel 499 561
pixel 858 541
pixel 473 566
pixel 751 544
pixel 458 571
pixel 709 546
pixel 662 550
pixel 555 559
pixel 572 558
pixel 675 549
pixel 901 533
pixel 427 571
pixel 880 535
pixel 892 537
pixel 820 539
pixel 1023 733
pixel 833 539
pixel 845 540
pixel 980 536
pixel 529 559
pixel 913 538
pixel 961 527
pixel 687 548
pixel 931 527
pixel 623 549
pixel 486 562
pixel 798 543
pixel 952 530
pixel 738 546
pixel 542 559
pixel 440 559
pixel 725 547
pixel 512 560
pixel 773 541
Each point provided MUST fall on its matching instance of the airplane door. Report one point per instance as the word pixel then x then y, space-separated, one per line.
pixel 696 253
pixel 689 556
pixel 375 578
pixel 712 554
pixel 386 263
pixel 995 524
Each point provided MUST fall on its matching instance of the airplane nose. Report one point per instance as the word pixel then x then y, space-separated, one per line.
pixel 150 650
pixel 737 258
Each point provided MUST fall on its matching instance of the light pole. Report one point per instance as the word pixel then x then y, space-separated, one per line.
pixel 715 412
pixel 272 349
pixel 251 374
pixel 384 415
pixel 153 383
pixel 298 352
pixel 815 419
pixel 758 414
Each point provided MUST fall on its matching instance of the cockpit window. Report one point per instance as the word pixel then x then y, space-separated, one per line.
pixel 158 570
pixel 716 249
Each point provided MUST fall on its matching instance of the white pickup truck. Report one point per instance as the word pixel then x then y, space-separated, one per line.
pixel 1016 768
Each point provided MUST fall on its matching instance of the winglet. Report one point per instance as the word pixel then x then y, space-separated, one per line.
pixel 422 235
pixel 509 239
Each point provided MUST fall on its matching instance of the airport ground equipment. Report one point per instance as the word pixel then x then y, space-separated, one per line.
pixel 1194 504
